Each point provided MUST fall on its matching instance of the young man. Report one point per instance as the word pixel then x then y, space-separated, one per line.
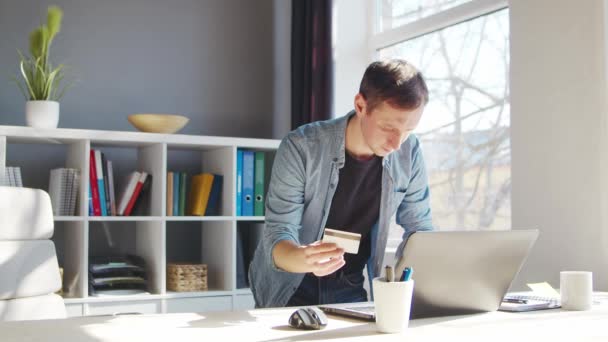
pixel 353 174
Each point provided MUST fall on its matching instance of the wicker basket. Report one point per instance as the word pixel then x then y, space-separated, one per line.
pixel 186 277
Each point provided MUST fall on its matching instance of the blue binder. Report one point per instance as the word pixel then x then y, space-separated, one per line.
pixel 239 182
pixel 248 167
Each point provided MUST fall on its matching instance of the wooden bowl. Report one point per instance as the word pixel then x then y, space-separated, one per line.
pixel 158 123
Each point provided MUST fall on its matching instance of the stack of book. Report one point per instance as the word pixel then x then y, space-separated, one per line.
pixel 203 198
pixel 12 177
pixel 250 195
pixel 117 275
pixel 63 190
pixel 102 198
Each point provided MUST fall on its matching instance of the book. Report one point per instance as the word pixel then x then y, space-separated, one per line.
pixel 199 193
pixel 248 179
pixel 142 203
pixel 90 201
pixel 17 176
pixel 213 205
pixel 112 189
pixel 106 182
pixel 182 194
pixel 93 183
pixel 258 188
pixel 11 177
pixel 175 193
pixel 128 189
pixel 136 192
pixel 169 193
pixel 239 182
pixel 100 183
pixel 74 192
pixel 55 191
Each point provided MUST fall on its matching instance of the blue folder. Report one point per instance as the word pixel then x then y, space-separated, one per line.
pixel 248 174
pixel 239 182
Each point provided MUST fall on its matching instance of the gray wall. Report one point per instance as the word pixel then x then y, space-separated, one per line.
pixel 210 60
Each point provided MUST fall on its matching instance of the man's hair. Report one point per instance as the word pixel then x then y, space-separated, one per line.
pixel 395 81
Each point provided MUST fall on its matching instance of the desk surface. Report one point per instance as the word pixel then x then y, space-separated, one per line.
pixel 271 325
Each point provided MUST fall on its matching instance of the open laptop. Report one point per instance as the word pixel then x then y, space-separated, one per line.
pixel 456 272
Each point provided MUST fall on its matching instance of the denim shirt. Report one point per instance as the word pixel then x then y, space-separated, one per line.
pixel 303 182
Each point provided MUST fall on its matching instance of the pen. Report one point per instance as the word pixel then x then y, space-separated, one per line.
pixel 407 274
pixel 515 300
pixel 389 273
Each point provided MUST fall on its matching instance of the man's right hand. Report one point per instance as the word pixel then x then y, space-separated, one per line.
pixel 320 258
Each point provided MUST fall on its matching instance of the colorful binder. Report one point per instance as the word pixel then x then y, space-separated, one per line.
pixel 248 174
pixel 199 193
pixel 258 206
pixel 239 182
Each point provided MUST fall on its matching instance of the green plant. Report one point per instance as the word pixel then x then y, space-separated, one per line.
pixel 40 79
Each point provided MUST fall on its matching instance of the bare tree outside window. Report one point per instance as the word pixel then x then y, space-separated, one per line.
pixel 464 131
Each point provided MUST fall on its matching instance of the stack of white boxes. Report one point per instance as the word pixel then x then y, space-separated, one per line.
pixel 28 263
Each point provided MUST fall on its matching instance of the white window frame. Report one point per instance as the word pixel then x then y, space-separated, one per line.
pixel 435 22
pixel 432 23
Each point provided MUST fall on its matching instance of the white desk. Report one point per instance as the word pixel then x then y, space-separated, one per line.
pixel 271 325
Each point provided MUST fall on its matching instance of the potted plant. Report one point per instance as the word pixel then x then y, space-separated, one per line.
pixel 40 84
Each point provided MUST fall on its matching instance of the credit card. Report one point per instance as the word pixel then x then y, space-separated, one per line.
pixel 346 240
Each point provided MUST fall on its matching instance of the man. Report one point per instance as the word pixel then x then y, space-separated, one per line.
pixel 353 174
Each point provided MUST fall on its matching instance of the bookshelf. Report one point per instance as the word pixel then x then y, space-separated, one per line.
pixel 158 238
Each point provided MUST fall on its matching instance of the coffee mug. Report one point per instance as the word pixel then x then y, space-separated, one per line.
pixel 576 289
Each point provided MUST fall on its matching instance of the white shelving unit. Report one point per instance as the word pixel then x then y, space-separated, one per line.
pixel 156 237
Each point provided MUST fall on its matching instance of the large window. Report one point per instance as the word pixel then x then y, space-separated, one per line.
pixel 465 128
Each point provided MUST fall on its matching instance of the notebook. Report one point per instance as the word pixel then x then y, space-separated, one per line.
pixel 458 272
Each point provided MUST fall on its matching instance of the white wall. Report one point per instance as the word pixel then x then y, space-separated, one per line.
pixel 559 135
pixel 351 56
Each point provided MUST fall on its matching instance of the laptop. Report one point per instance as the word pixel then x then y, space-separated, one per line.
pixel 456 272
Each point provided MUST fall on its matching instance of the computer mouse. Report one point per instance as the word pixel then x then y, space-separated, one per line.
pixel 309 318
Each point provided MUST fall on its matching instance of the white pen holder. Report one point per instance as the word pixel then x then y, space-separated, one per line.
pixel 393 301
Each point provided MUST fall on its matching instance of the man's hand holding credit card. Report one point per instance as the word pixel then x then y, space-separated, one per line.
pixel 345 240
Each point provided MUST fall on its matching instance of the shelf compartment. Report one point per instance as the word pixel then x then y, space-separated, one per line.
pixel 71 248
pixel 141 238
pixel 56 155
pixel 204 243
pixel 248 236
pixel 147 158
pixel 204 159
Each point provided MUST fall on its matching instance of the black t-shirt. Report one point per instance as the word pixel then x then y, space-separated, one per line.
pixel 356 205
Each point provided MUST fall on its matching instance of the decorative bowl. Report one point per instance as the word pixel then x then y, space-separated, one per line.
pixel 158 123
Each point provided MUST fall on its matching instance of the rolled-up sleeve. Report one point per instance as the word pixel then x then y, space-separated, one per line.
pixel 285 197
pixel 414 212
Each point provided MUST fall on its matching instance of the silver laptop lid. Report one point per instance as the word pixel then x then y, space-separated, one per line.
pixel 463 272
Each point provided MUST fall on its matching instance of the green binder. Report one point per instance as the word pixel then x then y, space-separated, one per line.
pixel 258 187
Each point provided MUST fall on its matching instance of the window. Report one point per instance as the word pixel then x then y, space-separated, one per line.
pixel 464 131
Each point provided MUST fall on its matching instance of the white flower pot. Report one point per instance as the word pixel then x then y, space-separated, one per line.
pixel 42 114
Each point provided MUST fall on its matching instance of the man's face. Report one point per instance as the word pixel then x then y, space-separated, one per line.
pixel 386 127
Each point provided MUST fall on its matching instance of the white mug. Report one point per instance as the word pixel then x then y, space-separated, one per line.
pixel 576 289
pixel 392 301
